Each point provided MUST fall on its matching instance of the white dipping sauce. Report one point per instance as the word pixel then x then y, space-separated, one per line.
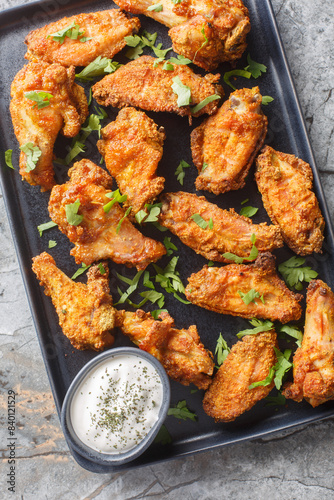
pixel 116 404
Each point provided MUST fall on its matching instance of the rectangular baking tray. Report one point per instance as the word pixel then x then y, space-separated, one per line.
pixel 27 208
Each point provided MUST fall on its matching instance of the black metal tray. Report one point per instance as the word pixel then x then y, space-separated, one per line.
pixel 27 208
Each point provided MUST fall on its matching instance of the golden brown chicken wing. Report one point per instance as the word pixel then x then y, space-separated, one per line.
pixel 219 231
pixel 313 362
pixel 132 148
pixel 225 145
pixel 145 84
pixel 45 101
pixel 206 31
pixel 86 314
pixel 80 39
pixel 180 351
pixel 98 231
pixel 285 183
pixel 246 290
pixel 249 361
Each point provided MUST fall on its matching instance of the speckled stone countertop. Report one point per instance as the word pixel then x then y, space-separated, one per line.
pixel 296 464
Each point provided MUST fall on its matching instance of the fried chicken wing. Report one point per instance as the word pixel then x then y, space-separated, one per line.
pixel 249 361
pixel 246 290
pixel 38 128
pixel 230 232
pixel 86 314
pixel 88 36
pixel 285 183
pixel 145 84
pixel 313 362
pixel 180 351
pixel 225 145
pixel 206 31
pixel 132 147
pixel 101 233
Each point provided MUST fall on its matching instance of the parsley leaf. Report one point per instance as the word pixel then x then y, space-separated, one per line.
pixel 256 69
pixel 181 411
pixel 33 154
pixel 266 381
pixel 155 314
pixel 133 286
pixel 80 271
pixel 235 72
pixel 116 197
pixel 293 274
pixel 249 296
pixel 41 98
pixel 44 227
pixel 222 350
pixel 169 245
pixel 122 219
pixel 150 214
pixel 203 103
pixel 98 67
pixel 180 60
pixel 293 332
pixel 282 366
pixel 8 158
pixel 278 400
pixel 157 7
pixel 239 260
pixel 71 211
pixel 169 279
pixel 52 244
pixel 72 31
pixel 179 172
pixel 201 222
pixel 163 437
pixel 101 268
pixel 248 211
pixel 266 99
pixel 182 91
pixel 260 326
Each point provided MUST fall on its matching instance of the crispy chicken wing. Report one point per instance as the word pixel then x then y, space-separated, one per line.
pixel 230 232
pixel 145 84
pixel 180 351
pixel 225 145
pixel 86 314
pixel 249 361
pixel 132 148
pixel 104 30
pixel 66 112
pixel 285 183
pixel 246 290
pixel 313 362
pixel 206 31
pixel 100 234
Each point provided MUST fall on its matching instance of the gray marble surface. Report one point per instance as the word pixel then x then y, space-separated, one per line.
pixel 292 465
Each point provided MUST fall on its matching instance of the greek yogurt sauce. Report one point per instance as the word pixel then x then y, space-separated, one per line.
pixel 116 404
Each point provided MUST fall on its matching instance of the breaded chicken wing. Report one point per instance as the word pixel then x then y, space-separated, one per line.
pixel 249 361
pixel 87 37
pixel 99 233
pixel 132 147
pixel 38 128
pixel 206 31
pixel 145 84
pixel 313 362
pixel 180 351
pixel 285 183
pixel 225 145
pixel 229 231
pixel 246 290
pixel 86 314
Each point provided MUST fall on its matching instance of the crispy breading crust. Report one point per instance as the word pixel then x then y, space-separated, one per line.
pixel 85 312
pixel 285 183
pixel 313 362
pixel 217 289
pixel 249 361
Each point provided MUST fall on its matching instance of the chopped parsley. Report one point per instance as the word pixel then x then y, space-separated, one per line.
pixel 33 154
pixel 52 244
pixel 203 103
pixel 100 66
pixel 116 197
pixel 266 99
pixel 170 247
pixel 292 331
pixel 80 271
pixel 198 219
pixel 71 211
pixel 122 219
pixel 250 296
pixel 157 7
pixel 163 437
pixel 44 227
pixel 8 158
pixel 182 91
pixel 222 350
pixel 294 274
pixel 239 260
pixel 235 72
pixel 182 412
pixel 72 31
pixel 248 211
pixel 267 381
pixel 180 173
pixel 149 214
pixel 41 98
pixel 260 326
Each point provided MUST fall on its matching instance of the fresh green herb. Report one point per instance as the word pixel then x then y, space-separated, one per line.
pixel 72 216
pixel 260 326
pixel 180 60
pixel 133 286
pixel 206 41
pixel 239 260
pixel 52 244
pixel 181 411
pixel 33 154
pixel 198 219
pixel 169 279
pixel 255 68
pixel 235 72
pixel 156 313
pixel 278 400
pixel 203 103
pixel 80 271
pixel 100 66
pixel 8 158
pixel 293 332
pixel 245 201
pixel 179 172
pixel 157 7
pixel 282 366
pixel 137 43
pixel 222 350
pixel 41 98
pixel 72 31
pixel 210 263
pixel 170 247
pixel 266 99
pixel 248 211
pixel 116 197
pixel 182 91
pixel 122 219
pixel 293 274
pixel 168 66
pixel 163 437
pixel 267 381
pixel 176 1
pixel 204 166
pixel 44 227
pixel 150 214
pixel 101 269
pixel 249 296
